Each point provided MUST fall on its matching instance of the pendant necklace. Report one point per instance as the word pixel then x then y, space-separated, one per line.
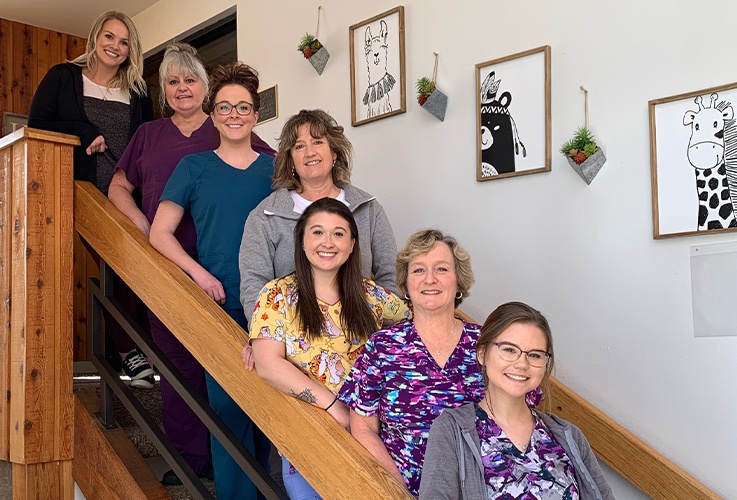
pixel 450 336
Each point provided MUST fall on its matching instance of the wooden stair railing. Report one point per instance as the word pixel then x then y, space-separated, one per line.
pixel 624 452
pixel 317 446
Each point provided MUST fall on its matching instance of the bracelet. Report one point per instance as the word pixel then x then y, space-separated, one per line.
pixel 331 404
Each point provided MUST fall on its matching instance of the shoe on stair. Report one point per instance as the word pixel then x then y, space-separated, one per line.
pixel 140 372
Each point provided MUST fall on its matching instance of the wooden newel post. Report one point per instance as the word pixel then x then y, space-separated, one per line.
pixel 36 266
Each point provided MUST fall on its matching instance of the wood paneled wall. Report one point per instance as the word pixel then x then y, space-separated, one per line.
pixel 26 54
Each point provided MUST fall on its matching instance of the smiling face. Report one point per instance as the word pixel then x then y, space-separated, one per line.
pixel 234 127
pixel 431 282
pixel 327 242
pixel 112 45
pixel 513 379
pixel 184 93
pixel 312 157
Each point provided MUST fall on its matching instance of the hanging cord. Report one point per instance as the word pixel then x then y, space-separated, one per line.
pixel 585 106
pixel 317 30
pixel 435 70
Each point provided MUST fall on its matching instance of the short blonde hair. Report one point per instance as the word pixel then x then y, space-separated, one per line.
pixel 130 72
pixel 421 242
pixel 321 125
pixel 183 57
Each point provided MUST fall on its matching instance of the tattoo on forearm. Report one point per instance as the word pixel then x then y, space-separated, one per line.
pixel 305 396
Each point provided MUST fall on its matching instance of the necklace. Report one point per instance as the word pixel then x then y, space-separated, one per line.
pixel 105 93
pixel 445 343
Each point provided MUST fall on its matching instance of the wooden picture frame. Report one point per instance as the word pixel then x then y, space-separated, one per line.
pixel 378 82
pixel 269 107
pixel 513 133
pixel 12 122
pixel 693 162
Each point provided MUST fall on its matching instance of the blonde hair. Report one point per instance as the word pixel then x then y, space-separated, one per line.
pixel 130 73
pixel 183 57
pixel 421 242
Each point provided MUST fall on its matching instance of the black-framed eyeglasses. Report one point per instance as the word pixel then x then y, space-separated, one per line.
pixel 511 352
pixel 224 108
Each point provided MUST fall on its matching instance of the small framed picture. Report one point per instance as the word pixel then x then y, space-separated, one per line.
pixel 12 122
pixel 693 162
pixel 513 115
pixel 269 108
pixel 378 88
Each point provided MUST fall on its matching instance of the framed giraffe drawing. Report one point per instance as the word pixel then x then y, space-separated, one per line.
pixel 693 162
pixel 513 115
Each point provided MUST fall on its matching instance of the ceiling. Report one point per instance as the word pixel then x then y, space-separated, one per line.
pixel 67 16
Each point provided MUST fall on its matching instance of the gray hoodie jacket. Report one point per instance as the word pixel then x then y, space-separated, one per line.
pixel 267 247
pixel 453 467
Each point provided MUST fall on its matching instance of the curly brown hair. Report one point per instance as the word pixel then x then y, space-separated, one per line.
pixel 322 125
pixel 236 73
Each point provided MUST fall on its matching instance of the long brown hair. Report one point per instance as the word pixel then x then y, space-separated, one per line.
pixel 357 320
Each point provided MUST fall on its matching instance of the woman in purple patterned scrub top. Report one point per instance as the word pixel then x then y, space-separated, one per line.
pixel 502 448
pixel 409 373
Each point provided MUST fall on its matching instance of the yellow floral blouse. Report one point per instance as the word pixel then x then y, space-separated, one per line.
pixel 329 359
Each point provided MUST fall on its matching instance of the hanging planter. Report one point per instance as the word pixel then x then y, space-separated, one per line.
pixel 583 154
pixel 314 52
pixel 430 97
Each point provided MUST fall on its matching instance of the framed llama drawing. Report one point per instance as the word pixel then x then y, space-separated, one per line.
pixel 378 88
pixel 693 162
pixel 513 115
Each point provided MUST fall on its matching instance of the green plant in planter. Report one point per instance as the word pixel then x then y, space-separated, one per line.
pixel 581 146
pixel 425 87
pixel 309 45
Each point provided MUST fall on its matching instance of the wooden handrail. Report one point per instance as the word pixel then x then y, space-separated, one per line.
pixel 334 463
pixel 624 452
pixel 322 450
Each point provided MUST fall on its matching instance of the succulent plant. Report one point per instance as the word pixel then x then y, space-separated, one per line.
pixel 308 45
pixel 581 146
pixel 425 87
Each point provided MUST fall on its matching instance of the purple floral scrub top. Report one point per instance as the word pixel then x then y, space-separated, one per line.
pixel 543 471
pixel 397 379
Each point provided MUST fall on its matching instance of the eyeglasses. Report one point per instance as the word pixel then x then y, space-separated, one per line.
pixel 511 352
pixel 224 108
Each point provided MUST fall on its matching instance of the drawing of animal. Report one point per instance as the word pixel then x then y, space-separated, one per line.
pixel 500 141
pixel 335 368
pixel 318 366
pixel 380 82
pixel 713 133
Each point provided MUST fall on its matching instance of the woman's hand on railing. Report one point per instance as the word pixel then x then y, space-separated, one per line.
pixel 209 284
pixel 247 356
pixel 341 414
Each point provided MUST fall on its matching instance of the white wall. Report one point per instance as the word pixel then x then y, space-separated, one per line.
pixel 619 302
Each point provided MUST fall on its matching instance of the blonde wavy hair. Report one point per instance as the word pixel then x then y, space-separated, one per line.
pixel 130 72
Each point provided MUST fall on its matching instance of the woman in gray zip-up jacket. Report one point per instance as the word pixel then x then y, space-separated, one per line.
pixel 313 161
pixel 502 447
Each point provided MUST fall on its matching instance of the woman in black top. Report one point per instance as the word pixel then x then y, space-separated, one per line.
pixel 101 97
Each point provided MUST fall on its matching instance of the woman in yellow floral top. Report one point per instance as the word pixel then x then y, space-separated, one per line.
pixel 309 326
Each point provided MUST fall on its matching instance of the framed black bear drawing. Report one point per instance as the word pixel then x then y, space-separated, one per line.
pixel 513 115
